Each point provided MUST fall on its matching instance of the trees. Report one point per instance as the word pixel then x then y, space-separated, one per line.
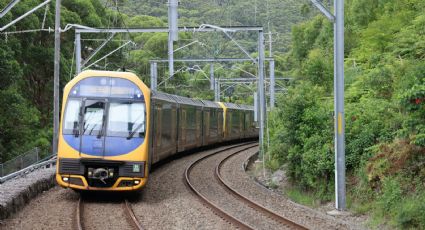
pixel 384 109
pixel 26 73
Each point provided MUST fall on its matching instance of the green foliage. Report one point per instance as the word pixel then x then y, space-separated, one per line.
pixel 384 109
pixel 411 213
pixel 301 137
pixel 26 74
pixel 302 197
pixel 18 122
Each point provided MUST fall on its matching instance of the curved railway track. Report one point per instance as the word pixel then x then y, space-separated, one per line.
pixel 125 204
pixel 273 215
pixel 241 223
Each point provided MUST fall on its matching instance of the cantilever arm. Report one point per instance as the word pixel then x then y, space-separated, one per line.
pixel 8 7
pixel 324 10
pixel 24 15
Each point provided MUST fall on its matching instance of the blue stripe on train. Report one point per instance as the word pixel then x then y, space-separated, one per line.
pixel 114 146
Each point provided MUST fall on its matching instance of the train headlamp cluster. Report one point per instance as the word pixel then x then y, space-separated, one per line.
pixel 100 173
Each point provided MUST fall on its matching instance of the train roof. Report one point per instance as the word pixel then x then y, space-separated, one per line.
pixel 162 96
pixel 211 104
pixel 176 99
pixel 187 101
pixel 247 107
pixel 236 106
pixel 197 102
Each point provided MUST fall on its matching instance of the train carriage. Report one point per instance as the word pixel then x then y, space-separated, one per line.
pixel 113 128
pixel 250 126
pixel 164 126
pixel 189 123
pixel 212 122
pixel 233 119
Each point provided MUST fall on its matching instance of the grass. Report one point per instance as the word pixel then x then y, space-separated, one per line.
pixel 302 197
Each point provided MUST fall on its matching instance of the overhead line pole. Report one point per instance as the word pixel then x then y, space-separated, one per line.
pixel 340 200
pixel 262 101
pixel 272 84
pixel 78 53
pixel 56 72
pixel 338 20
pixel 154 75
pixel 172 33
pixel 212 76
pixel 217 90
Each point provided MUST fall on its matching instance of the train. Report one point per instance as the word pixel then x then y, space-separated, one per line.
pixel 113 128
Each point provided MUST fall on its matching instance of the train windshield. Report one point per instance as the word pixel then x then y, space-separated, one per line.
pixel 94 113
pixel 126 119
pixel 72 122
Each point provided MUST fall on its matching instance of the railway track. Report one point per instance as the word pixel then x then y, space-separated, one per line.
pixel 125 207
pixel 273 215
pixel 243 219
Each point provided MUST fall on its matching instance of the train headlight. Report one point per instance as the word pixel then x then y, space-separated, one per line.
pixel 136 182
pixel 66 179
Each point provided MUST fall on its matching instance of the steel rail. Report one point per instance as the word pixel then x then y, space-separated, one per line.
pixel 79 215
pixel 127 208
pixel 217 210
pixel 258 207
pixel 131 215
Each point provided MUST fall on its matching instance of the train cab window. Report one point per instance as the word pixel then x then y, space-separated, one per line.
pixel 93 117
pixel 72 123
pixel 126 119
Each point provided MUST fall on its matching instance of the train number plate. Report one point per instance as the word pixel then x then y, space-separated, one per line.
pixel 136 168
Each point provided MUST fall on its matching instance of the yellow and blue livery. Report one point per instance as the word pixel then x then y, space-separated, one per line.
pixel 113 128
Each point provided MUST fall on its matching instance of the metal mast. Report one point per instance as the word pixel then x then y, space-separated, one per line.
pixel 262 101
pixel 172 33
pixel 339 105
pixel 56 78
pixel 338 20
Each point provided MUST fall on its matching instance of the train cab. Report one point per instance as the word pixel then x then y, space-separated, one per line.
pixel 103 141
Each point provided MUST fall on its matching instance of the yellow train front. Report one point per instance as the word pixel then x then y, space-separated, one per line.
pixel 103 141
pixel 113 128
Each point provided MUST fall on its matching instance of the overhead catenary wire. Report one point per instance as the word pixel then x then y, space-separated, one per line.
pixel 24 15
pixel 110 53
pixel 8 7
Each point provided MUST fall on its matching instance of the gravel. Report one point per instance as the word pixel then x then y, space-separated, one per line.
pixel 167 203
pixel 52 209
pixel 102 211
pixel 204 180
pixel 311 218
pixel 17 192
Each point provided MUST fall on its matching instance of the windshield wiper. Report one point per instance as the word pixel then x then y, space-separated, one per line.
pixel 76 130
pixel 135 130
